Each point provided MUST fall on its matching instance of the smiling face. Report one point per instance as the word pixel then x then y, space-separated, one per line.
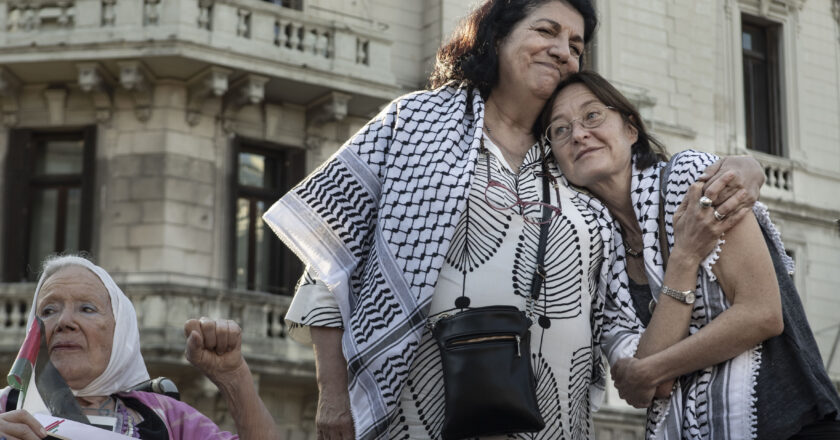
pixel 597 156
pixel 79 323
pixel 542 49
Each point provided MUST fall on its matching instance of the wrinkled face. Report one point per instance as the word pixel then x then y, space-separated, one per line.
pixel 542 49
pixel 79 322
pixel 594 155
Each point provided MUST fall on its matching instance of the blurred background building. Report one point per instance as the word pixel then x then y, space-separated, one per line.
pixel 152 134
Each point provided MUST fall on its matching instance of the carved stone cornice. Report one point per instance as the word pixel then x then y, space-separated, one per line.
pixel 247 90
pixel 213 81
pixel 10 87
pixel 96 81
pixel 331 107
pixel 764 6
pixel 139 81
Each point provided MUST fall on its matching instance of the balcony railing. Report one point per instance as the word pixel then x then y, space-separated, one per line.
pixel 276 33
pixel 162 311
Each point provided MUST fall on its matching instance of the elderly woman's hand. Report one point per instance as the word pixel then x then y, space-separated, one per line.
pixel 696 229
pixel 733 183
pixel 214 347
pixel 20 425
pixel 630 379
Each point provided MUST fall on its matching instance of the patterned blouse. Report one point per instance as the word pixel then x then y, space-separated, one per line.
pixel 490 262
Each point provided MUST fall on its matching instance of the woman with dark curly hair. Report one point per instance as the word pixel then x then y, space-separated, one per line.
pixel 438 206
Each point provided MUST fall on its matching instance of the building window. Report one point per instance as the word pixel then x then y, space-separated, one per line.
pixel 263 174
pixel 762 86
pixel 49 198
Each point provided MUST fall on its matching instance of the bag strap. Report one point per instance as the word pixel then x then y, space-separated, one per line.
pixel 664 172
pixel 538 279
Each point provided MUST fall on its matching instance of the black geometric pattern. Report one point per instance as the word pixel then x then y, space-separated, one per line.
pixel 567 279
pixel 686 414
pixel 395 197
pixel 482 229
pixel 390 200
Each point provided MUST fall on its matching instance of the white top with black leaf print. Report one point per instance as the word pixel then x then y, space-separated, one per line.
pixel 490 261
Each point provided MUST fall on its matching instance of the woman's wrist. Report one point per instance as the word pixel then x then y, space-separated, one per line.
pixel 232 377
pixel 684 259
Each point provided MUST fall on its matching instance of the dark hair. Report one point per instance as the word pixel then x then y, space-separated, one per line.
pixel 470 57
pixel 647 149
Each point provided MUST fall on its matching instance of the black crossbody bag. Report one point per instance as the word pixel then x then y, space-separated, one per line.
pixel 489 385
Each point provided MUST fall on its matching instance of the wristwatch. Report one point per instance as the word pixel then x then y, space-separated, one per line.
pixel 685 297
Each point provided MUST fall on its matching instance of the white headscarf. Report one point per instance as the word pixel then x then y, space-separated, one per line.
pixel 126 366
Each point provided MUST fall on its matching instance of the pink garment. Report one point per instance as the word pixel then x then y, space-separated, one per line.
pixel 4 396
pixel 182 421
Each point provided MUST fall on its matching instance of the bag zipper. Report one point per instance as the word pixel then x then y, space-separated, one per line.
pixel 432 322
pixel 481 339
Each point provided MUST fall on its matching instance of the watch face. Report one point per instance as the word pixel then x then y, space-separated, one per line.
pixel 689 298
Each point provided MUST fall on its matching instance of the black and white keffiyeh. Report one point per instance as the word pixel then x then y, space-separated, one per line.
pixel 374 224
pixel 716 402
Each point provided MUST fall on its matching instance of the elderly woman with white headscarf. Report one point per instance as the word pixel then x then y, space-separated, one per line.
pixel 94 344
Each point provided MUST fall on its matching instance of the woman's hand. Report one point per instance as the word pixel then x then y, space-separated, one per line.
pixel 733 183
pixel 632 384
pixel 333 420
pixel 214 347
pixel 696 229
pixel 20 425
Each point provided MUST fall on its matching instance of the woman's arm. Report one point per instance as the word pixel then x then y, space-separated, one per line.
pixel 696 235
pixel 214 347
pixel 333 420
pixel 745 272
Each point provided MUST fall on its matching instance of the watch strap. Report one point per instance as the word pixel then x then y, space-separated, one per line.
pixel 685 297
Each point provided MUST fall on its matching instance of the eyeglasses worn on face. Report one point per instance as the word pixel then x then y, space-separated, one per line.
pixel 559 132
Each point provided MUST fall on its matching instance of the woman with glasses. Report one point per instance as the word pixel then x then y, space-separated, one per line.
pixel 436 207
pixel 713 327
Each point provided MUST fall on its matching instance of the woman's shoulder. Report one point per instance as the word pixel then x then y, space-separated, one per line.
pixel 158 401
pixel 183 421
pixel 689 164
pixel 438 103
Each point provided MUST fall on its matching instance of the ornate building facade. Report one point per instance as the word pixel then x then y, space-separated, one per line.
pixel 152 134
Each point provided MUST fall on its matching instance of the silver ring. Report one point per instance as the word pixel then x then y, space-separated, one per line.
pixel 705 202
pixel 719 216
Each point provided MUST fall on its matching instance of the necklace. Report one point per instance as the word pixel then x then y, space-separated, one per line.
pixel 514 160
pixel 104 408
pixel 128 426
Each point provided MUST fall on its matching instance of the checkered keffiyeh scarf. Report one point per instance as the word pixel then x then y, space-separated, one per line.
pixel 374 223
pixel 718 401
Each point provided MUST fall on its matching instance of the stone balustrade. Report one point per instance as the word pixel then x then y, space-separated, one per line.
pixel 779 175
pixel 39 15
pixel 273 33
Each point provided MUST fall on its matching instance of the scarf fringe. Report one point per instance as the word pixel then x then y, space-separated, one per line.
pixel 711 259
pixel 755 362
